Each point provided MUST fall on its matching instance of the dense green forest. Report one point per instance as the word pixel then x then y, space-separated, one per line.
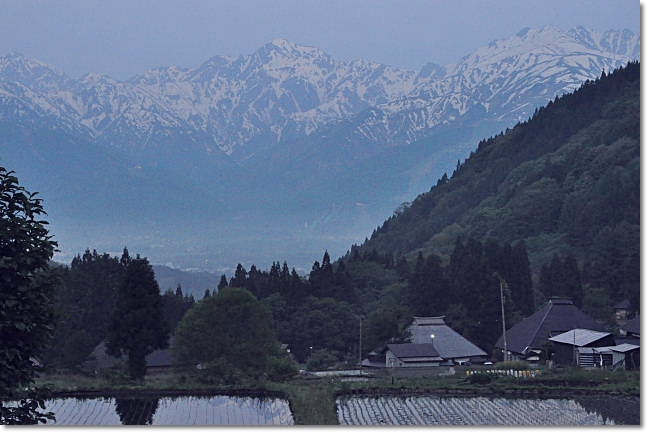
pixel 548 208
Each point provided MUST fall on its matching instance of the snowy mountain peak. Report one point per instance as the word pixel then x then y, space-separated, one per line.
pixel 283 44
pixel 285 91
pixel 23 66
pixel 287 47
pixel 281 52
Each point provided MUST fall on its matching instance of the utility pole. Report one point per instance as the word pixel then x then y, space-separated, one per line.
pixel 503 318
pixel 360 347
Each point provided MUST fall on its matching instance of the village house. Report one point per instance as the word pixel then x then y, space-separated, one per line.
pixel 528 338
pixel 432 344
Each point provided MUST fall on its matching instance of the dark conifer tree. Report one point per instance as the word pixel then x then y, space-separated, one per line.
pixel 427 291
pixel 240 277
pixel 85 304
pixel 255 283
pixel 223 282
pixel 476 288
pixel 520 281
pixel 571 280
pixel 138 326
pixel 561 277
pixel 321 278
pixel 175 305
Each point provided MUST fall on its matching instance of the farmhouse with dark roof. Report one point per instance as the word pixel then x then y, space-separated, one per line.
pixel 527 339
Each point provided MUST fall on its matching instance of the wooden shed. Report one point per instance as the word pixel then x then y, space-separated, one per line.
pixel 566 348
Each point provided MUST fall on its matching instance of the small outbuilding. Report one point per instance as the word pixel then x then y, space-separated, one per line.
pixel 566 346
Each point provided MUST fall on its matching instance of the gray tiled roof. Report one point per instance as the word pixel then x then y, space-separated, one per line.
pixel 558 316
pixel 448 342
pixel 579 337
pixel 409 350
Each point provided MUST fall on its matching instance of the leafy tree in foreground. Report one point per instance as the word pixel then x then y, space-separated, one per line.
pixel 25 295
pixel 138 326
pixel 230 333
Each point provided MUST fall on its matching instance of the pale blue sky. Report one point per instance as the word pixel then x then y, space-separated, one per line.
pixel 125 37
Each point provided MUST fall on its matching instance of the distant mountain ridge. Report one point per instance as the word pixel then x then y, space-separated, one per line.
pixel 288 132
pixel 287 90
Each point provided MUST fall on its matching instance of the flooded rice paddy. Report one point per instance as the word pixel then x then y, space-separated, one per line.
pixel 351 410
pixel 216 410
pixel 427 410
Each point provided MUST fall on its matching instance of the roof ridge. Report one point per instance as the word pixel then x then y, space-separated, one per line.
pixel 540 323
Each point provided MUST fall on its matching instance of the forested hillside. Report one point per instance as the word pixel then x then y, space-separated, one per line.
pixel 566 182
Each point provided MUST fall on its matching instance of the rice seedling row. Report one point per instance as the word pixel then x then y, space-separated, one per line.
pixel 429 410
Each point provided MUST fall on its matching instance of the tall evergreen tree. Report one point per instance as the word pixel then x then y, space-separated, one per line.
pixel 321 278
pixel 427 289
pixel 223 282
pixel 475 289
pixel 240 277
pixel 520 280
pixel 561 277
pixel 138 326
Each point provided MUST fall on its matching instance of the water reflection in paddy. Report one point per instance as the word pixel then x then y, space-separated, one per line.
pixel 217 410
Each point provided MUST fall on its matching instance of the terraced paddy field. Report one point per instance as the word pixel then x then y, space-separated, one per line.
pixel 217 410
pixel 428 410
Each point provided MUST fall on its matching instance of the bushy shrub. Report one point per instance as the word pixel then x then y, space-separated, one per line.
pixel 320 360
pixel 280 368
pixel 479 378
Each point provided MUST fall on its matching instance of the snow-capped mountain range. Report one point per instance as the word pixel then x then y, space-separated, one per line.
pixel 285 90
pixel 294 116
